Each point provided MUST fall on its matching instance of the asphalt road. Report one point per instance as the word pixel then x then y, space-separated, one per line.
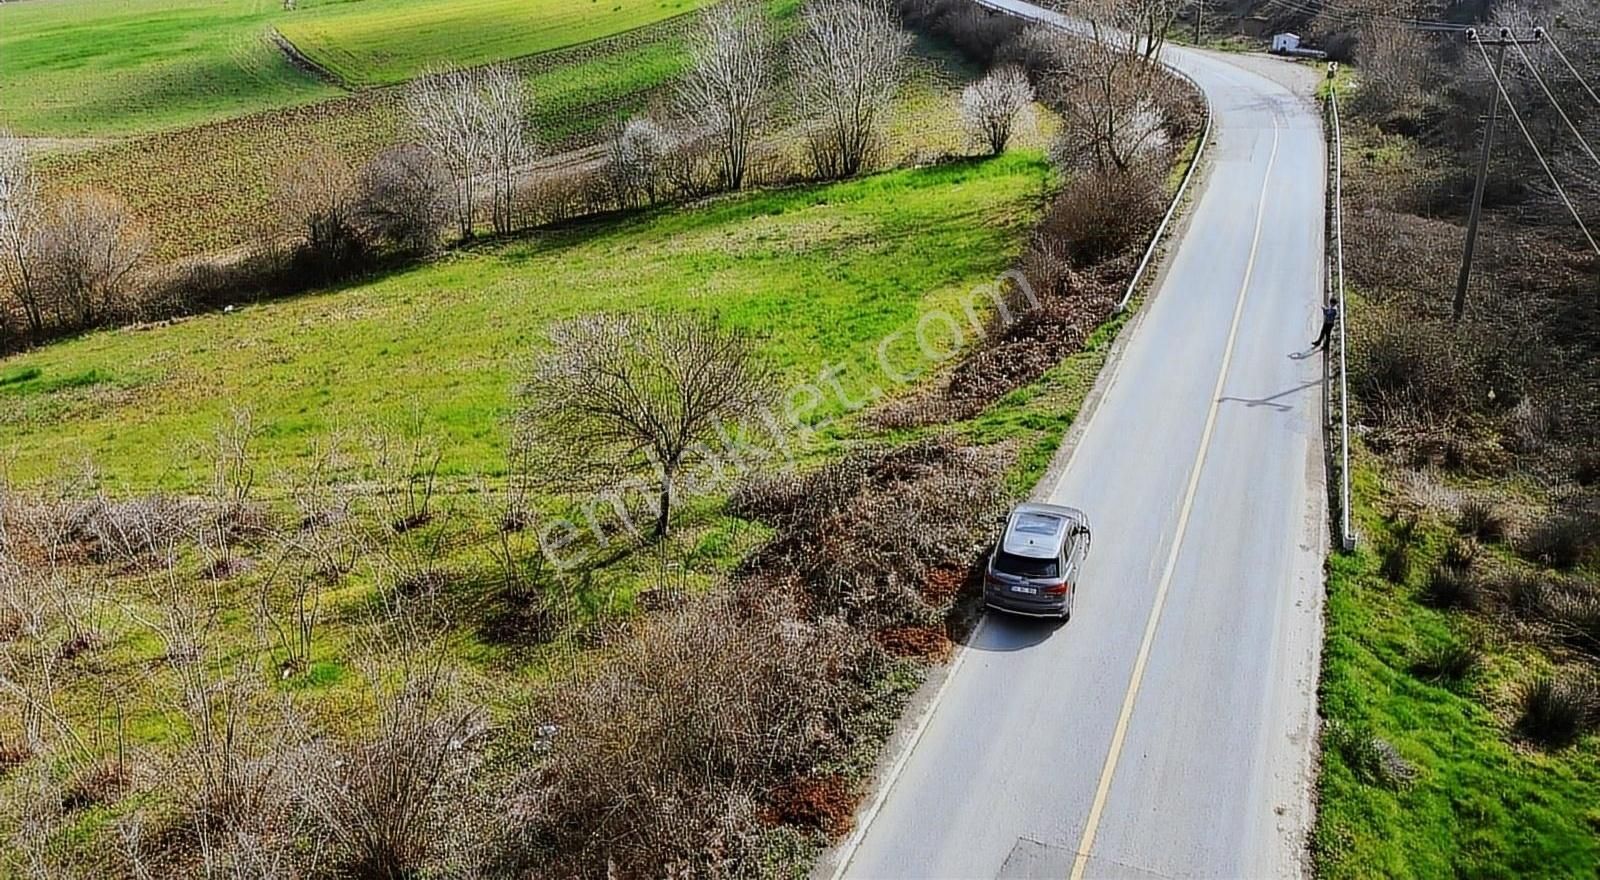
pixel 1167 730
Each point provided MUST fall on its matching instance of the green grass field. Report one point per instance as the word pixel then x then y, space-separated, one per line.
pixel 1482 803
pixel 445 340
pixel 371 42
pixel 82 68
pixel 86 68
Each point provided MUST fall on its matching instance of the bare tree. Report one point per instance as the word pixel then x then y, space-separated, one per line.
pixel 474 122
pixel 392 800
pixel 88 247
pixel 445 108
pixel 1394 61
pixel 993 107
pixel 847 61
pixel 1113 100
pixel 726 91
pixel 18 213
pixel 638 154
pixel 690 168
pixel 617 395
pixel 1137 26
pixel 503 114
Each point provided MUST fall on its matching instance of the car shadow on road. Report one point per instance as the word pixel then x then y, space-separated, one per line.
pixel 1004 632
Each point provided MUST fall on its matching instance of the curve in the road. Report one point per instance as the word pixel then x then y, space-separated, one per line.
pixel 1168 729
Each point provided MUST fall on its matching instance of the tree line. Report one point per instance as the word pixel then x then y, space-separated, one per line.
pixel 75 260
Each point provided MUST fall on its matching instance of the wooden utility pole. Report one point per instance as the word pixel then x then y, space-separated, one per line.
pixel 1199 14
pixel 1500 43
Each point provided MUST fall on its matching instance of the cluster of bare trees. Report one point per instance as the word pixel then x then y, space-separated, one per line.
pixel 727 92
pixel 844 66
pixel 340 217
pixel 639 152
pixel 849 57
pixel 250 785
pixel 474 122
pixel 66 261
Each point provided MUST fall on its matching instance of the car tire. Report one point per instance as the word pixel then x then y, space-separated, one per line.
pixel 1072 596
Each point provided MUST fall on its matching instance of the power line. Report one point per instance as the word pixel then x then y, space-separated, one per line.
pixel 1551 95
pixel 1575 74
pixel 1529 137
pixel 1350 16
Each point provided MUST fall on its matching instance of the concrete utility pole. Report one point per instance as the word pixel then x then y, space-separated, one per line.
pixel 1199 15
pixel 1500 43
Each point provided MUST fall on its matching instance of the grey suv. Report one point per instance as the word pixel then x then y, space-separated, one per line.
pixel 1034 567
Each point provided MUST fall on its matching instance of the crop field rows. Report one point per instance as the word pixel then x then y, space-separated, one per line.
pixel 152 65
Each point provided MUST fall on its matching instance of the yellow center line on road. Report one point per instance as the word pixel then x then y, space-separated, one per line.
pixel 1081 861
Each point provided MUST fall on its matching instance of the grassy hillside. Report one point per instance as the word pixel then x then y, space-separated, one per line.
pixel 1457 796
pixel 445 340
pixel 369 42
pixel 91 68
pixel 81 68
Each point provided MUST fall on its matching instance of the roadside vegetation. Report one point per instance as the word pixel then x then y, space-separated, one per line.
pixel 369 581
pixel 1459 686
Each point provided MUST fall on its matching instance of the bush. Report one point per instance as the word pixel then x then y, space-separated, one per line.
pixel 1449 662
pixel 1574 614
pixel 1586 467
pixel 394 800
pixel 1564 539
pixel 1461 555
pixel 1370 757
pixel 1558 709
pixel 1452 587
pixel 863 533
pixel 1395 564
pixel 1101 214
pixel 1481 520
pixel 401 200
pixel 979 35
pixel 1524 593
pixel 663 758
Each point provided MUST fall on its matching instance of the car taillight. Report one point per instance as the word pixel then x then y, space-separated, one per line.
pixel 1055 589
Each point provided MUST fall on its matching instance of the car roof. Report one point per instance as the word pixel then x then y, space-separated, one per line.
pixel 1038 530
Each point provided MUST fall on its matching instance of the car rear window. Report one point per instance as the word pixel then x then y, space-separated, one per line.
pixel 1037 524
pixel 1026 566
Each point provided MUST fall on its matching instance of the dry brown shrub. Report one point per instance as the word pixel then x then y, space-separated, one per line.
pixel 96 783
pixel 825 803
pixel 1101 214
pixel 398 801
pixel 662 755
pixel 924 642
pixel 863 533
pixel 1015 352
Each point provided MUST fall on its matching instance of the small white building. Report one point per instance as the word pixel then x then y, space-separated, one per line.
pixel 1285 43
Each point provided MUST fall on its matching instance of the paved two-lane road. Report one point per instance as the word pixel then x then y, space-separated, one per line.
pixel 1167 730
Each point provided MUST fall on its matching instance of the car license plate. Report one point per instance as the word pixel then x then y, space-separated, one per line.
pixel 1032 591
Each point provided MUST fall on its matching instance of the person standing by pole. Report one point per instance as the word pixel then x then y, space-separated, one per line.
pixel 1330 316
